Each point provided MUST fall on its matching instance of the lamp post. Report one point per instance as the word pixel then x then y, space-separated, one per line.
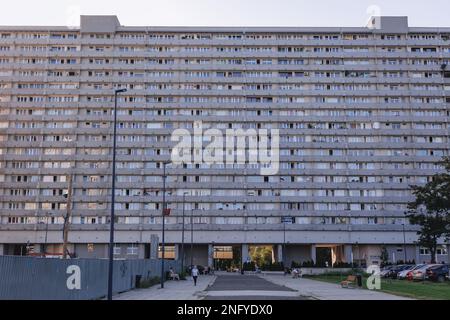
pixel 404 237
pixel 182 234
pixel 113 193
pixel 284 244
pixel 163 225
pixel 192 237
pixel 46 233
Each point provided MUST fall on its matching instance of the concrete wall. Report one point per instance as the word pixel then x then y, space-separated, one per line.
pixel 370 253
pixel 397 253
pixel 297 253
pixel 199 253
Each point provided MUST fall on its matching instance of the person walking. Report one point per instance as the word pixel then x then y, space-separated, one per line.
pixel 194 273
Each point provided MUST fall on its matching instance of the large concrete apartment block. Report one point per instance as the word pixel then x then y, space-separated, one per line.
pixel 363 112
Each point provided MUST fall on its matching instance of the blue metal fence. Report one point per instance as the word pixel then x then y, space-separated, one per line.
pixel 46 278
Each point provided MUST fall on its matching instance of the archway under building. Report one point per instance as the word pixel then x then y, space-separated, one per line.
pixel 261 254
pixel 227 257
pixel 327 255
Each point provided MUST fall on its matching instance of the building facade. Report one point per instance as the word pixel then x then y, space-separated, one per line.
pixel 362 113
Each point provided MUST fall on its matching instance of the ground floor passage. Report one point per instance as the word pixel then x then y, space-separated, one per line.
pixel 235 256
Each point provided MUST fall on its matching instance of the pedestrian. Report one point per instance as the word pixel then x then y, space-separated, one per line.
pixel 194 273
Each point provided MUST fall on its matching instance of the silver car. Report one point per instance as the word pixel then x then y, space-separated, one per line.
pixel 404 273
pixel 421 273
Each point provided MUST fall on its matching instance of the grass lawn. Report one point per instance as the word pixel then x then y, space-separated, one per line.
pixel 417 290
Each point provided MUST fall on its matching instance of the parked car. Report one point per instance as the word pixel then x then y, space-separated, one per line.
pixel 385 271
pixel 393 273
pixel 421 273
pixel 404 273
pixel 438 273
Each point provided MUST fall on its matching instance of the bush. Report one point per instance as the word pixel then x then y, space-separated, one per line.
pixel 249 266
pixel 308 264
pixel 148 282
pixel 311 264
pixel 276 266
pixel 342 264
pixel 182 275
pixel 339 273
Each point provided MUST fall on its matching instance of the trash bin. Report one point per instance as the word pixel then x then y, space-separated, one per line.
pixel 359 280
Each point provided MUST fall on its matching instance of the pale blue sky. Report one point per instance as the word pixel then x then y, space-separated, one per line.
pixel 225 12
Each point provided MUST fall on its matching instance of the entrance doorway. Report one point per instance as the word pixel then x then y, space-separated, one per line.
pixel 323 256
pixel 329 254
pixel 18 249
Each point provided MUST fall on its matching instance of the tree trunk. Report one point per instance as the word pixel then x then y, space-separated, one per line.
pixel 433 254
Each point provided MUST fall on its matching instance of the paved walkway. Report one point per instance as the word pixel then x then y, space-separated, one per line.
pixel 328 291
pixel 245 287
pixel 173 290
pixel 258 287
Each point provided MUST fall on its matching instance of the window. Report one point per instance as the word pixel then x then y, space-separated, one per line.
pixel 440 250
pixel 132 249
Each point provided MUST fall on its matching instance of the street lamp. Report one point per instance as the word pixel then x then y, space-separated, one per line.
pixel 113 194
pixel 284 244
pixel 192 237
pixel 46 233
pixel 404 236
pixel 182 234
pixel 164 213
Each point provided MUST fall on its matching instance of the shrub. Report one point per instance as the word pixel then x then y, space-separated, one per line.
pixel 342 264
pixel 182 275
pixel 276 266
pixel 148 282
pixel 249 266
pixel 308 264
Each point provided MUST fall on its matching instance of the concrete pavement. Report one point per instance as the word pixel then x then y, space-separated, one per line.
pixel 242 287
pixel 226 286
pixel 173 290
pixel 328 291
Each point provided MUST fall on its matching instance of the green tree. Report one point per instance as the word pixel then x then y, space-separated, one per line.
pixel 261 255
pixel 431 209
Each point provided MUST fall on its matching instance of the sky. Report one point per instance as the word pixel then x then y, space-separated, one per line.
pixel 333 13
